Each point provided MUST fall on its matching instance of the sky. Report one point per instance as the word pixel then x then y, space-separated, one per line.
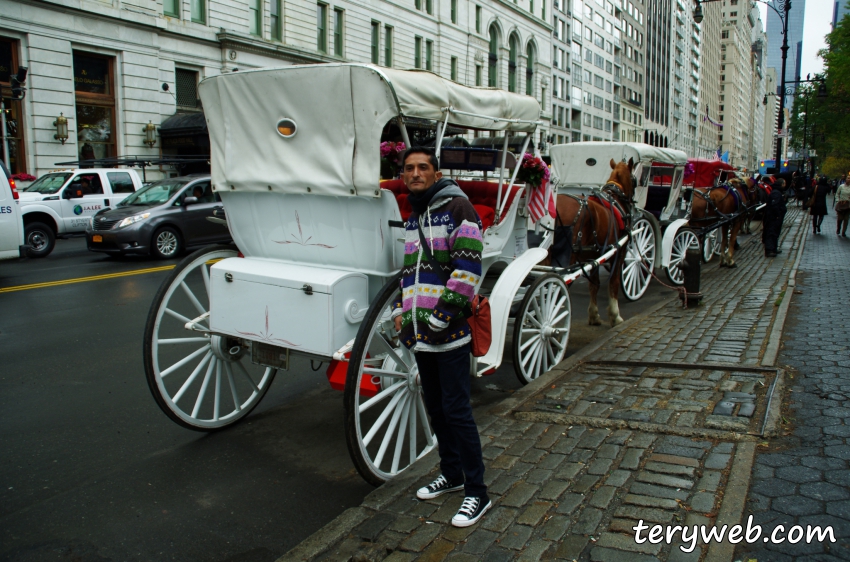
pixel 818 23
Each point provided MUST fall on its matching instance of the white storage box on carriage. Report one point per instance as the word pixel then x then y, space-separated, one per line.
pixel 307 309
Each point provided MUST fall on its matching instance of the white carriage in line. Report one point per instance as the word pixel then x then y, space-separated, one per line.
pixel 318 250
pixel 582 168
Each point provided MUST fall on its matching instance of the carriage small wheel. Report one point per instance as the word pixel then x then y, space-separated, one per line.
pixel 201 380
pixel 541 328
pixel 386 427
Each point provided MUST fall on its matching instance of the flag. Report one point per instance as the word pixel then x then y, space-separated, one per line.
pixel 725 157
pixel 541 202
pixel 717 154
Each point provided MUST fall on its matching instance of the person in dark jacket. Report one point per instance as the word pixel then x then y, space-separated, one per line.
pixel 818 207
pixel 774 213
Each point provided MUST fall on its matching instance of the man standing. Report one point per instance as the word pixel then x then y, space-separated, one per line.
pixel 774 213
pixel 429 315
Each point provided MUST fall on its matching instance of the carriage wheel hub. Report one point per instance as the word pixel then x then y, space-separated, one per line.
pixel 550 332
pixel 226 348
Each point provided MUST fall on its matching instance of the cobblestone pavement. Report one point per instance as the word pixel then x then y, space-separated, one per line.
pixel 804 479
pixel 649 426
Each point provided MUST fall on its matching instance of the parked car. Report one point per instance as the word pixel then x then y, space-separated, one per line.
pixel 62 203
pixel 11 225
pixel 161 219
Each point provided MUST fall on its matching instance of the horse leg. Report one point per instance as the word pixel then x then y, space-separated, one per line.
pixel 724 244
pixel 614 290
pixel 733 236
pixel 593 317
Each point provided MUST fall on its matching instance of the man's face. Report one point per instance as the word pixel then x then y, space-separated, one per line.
pixel 419 175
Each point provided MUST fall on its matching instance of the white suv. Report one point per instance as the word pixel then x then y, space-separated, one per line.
pixel 11 225
pixel 62 203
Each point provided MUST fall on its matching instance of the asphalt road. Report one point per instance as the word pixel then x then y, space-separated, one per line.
pixel 92 470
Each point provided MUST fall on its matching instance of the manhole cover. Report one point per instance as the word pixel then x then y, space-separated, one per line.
pixel 699 399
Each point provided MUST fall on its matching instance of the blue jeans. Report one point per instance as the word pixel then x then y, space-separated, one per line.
pixel 445 385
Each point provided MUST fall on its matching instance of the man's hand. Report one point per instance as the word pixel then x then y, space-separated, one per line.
pixel 398 323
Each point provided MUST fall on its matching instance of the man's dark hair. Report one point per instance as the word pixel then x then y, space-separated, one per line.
pixel 432 156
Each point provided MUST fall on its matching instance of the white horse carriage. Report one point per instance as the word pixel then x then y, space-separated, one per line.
pixel 581 169
pixel 318 251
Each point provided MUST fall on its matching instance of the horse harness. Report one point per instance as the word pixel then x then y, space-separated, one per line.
pixel 611 196
pixel 713 206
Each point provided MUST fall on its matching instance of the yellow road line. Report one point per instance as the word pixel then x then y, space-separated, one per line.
pixel 84 279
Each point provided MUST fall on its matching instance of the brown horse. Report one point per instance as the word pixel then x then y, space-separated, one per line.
pixel 711 205
pixel 595 228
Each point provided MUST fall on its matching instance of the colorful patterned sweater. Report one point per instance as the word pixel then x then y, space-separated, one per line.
pixel 431 312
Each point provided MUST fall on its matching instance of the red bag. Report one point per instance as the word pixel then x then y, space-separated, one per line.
pixel 480 326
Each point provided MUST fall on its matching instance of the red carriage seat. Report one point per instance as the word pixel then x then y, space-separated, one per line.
pixel 482 195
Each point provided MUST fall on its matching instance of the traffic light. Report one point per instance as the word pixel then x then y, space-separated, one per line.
pixel 18 81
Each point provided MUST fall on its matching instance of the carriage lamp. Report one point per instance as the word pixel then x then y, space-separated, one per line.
pixel 150 134
pixel 61 125
pixel 287 128
pixel 698 15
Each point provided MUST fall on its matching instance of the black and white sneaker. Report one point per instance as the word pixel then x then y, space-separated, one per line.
pixel 470 512
pixel 437 488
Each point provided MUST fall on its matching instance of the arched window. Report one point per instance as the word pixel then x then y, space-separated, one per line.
pixel 513 44
pixel 493 65
pixel 529 71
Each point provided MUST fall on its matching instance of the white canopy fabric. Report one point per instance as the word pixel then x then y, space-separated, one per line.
pixel 340 111
pixel 588 163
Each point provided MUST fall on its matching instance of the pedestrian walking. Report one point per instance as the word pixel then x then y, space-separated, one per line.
pixel 774 214
pixel 442 268
pixel 817 204
pixel 842 208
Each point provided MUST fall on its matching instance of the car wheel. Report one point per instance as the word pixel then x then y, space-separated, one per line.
pixel 166 243
pixel 40 239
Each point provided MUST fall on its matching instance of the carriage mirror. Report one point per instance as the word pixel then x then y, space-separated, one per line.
pixel 287 128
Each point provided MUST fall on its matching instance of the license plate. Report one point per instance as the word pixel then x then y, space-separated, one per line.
pixel 97 238
pixel 270 355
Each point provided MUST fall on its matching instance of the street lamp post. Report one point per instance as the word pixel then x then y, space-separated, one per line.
pixel 784 6
pixel 822 93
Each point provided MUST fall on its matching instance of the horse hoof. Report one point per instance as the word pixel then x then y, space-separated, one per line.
pixel 732 266
pixel 617 321
pixel 595 322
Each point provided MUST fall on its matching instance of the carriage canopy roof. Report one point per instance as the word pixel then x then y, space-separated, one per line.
pixel 588 163
pixel 339 112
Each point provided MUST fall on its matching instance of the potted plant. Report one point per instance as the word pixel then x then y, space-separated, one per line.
pixel 22 180
pixel 533 171
pixel 390 154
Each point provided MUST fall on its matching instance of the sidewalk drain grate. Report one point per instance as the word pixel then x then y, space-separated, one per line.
pixel 702 399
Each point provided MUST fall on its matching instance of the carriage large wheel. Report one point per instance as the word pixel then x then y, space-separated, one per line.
pixel 685 239
pixel 386 426
pixel 638 260
pixel 541 328
pixel 711 246
pixel 202 381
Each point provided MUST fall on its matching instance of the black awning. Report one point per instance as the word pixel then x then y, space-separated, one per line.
pixel 181 124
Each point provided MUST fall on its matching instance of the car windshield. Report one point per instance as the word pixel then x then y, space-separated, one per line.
pixel 153 194
pixel 49 183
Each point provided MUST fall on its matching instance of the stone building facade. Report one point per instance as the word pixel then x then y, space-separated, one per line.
pixel 709 87
pixel 111 67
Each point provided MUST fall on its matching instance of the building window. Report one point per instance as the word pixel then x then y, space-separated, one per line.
pixel 598 81
pixel 95 101
pixel 429 6
pixel 454 69
pixel 274 20
pixel 724 34
pixel 338 31
pixel 186 84
pixel 255 17
pixel 322 28
pixel 388 45
pixel 14 133
pixel 199 11
pixel 597 123
pixel 493 66
pixel 376 42
pixel 417 52
pixel 478 73
pixel 531 7
pixel 418 4
pixel 429 55
pixel 586 119
pixel 512 56
pixel 171 8
pixel 529 71
pixel 477 19
pixel 454 11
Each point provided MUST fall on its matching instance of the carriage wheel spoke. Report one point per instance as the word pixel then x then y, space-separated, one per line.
pixel 192 377
pixel 402 427
pixel 385 373
pixel 205 274
pixel 412 430
pixel 247 376
pixel 560 317
pixel 172 341
pixel 559 344
pixel 391 351
pixel 391 407
pixel 217 396
pixel 236 402
pixel 192 298
pixel 204 386
pixel 426 425
pixel 387 392
pixel 530 341
pixel 178 316
pixel 183 361
pixel 390 433
pixel 530 354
